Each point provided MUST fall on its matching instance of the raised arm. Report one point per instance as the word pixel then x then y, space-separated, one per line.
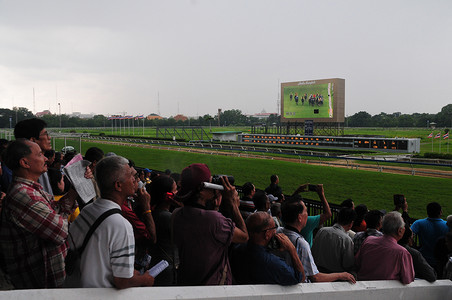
pixel 326 207
pixel 144 201
pixel 232 202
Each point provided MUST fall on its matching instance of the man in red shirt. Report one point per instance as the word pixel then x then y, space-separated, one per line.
pixel 381 258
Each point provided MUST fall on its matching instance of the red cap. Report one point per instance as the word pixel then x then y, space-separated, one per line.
pixel 192 177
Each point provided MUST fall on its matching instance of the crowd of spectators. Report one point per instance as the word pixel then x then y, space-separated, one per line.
pixel 204 231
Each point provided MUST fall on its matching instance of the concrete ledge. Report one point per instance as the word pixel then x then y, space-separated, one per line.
pixel 419 289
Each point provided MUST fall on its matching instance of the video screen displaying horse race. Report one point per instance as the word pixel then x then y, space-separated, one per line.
pixel 320 100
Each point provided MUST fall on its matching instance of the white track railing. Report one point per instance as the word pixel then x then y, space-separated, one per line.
pixel 419 289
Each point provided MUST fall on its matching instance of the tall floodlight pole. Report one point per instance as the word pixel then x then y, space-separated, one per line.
pixel 59 109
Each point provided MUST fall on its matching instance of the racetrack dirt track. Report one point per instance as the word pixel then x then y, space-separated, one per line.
pixel 426 172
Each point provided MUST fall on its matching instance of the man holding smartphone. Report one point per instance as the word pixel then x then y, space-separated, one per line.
pixel 314 222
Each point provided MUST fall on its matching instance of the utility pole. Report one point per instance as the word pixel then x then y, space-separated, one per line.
pixel 59 110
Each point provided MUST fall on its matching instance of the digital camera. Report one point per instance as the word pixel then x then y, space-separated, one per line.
pixel 216 179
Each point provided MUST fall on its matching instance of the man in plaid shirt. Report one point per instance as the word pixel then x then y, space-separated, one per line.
pixel 33 227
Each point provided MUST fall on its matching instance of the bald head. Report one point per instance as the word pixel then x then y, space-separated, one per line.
pixel 257 221
pixel 258 225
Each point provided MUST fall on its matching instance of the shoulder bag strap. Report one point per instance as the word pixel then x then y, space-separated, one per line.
pixel 95 225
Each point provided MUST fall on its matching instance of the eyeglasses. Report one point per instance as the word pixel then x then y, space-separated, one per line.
pixel 269 229
pixel 45 133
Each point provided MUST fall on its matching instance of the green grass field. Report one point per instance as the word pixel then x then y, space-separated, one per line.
pixel 371 188
pixel 422 133
pixel 300 109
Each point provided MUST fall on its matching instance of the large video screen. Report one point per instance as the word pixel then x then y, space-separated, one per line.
pixel 318 100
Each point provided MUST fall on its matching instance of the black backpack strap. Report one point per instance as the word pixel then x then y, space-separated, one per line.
pixel 95 225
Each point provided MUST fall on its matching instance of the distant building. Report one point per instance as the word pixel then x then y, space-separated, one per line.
pixel 77 114
pixel 154 117
pixel 43 113
pixel 263 115
pixel 180 118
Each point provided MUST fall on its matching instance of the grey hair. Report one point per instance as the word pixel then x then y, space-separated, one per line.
pixel 108 171
pixel 392 222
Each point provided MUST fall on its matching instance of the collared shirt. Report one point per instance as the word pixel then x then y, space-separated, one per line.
pixel 381 258
pixel 333 250
pixel 263 267
pixel 33 235
pixel 360 237
pixel 303 250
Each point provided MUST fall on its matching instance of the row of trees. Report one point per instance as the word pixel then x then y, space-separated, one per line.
pixel 364 119
pixel 234 117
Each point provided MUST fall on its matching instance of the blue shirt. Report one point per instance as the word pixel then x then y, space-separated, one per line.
pixel 263 267
pixel 429 230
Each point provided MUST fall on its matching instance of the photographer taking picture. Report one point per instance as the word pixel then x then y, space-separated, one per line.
pixel 202 234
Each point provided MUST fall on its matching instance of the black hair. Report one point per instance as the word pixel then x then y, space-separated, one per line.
pixel 273 178
pixel 260 199
pixel 29 128
pixel 94 154
pixel 49 153
pixel 290 209
pixel 15 151
pixel 57 158
pixel 361 211
pixel 247 188
pixel 158 188
pixel 176 177
pixel 275 209
pixel 433 210
pixel 68 156
pixel 347 203
pixel 373 218
pixel 131 163
pixel 55 178
pixel 346 216
pixel 3 143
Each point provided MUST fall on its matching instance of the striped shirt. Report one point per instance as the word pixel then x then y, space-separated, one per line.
pixel 33 235
pixel 303 250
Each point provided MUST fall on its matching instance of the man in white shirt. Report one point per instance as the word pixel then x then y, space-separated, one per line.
pixel 108 259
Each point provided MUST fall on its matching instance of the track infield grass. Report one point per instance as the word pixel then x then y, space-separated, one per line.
pixel 364 187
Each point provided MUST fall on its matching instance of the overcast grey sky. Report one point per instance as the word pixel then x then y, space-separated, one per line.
pixel 196 56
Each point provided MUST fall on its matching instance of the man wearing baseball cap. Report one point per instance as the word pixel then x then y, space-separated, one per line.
pixel 202 234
